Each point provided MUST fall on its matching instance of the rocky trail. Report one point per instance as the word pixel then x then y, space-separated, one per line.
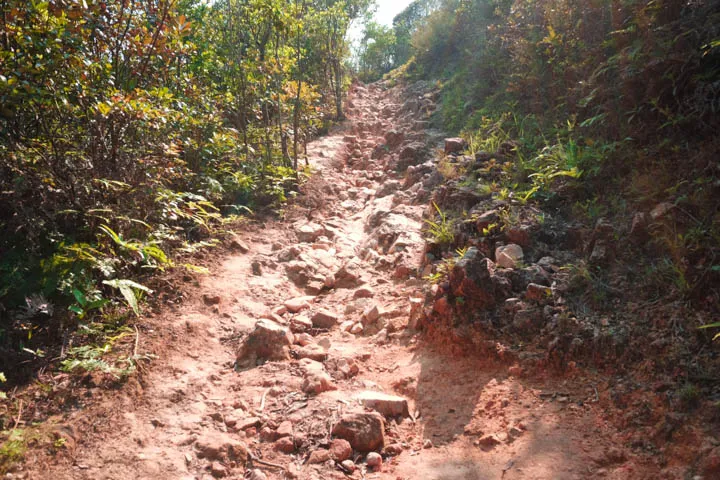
pixel 298 356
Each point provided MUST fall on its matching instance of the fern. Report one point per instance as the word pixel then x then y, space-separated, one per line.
pixel 129 291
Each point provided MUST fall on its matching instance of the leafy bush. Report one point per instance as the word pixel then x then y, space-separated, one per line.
pixel 128 129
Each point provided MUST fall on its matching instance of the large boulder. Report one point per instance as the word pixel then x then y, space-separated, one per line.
pixel 267 341
pixel 364 431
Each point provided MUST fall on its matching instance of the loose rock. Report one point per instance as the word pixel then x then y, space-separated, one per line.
pixel 319 456
pixel 268 341
pixel 236 243
pixel 324 319
pixel 508 256
pixel 454 145
pixel 387 405
pixel 340 450
pixel 364 431
pixel 297 304
pixel 374 461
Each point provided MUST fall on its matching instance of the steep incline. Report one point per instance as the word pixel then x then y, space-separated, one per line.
pixel 291 345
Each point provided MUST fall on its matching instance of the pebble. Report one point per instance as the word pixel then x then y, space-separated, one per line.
pixel 374 461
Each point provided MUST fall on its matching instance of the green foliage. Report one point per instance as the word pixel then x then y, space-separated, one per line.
pixel 441 231
pixel 13 448
pixel 712 325
pixel 444 268
pixel 128 130
pixel 131 292
pixel 376 52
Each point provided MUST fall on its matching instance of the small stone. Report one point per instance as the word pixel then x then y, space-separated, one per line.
pixel 508 256
pixel 284 445
pixel 304 339
pixel 393 449
pixel 387 405
pixel 486 219
pixel 515 371
pixel 267 434
pixel 220 447
pixel 317 382
pixel 347 325
pixel 538 293
pixel 364 431
pixel 310 232
pixel 246 423
pixel 371 314
pixel 428 444
pixel 348 465
pixel 488 441
pixel 364 292
pixel 255 474
pixel 218 470
pixel 312 351
pixel 211 299
pixel 454 145
pixel 374 461
pixel 285 429
pixel 639 227
pixel 300 323
pixel 236 243
pixel 319 456
pixel 314 287
pixel 256 268
pixel 297 304
pixel 324 319
pixel 268 341
pixel 357 329
pixel 340 450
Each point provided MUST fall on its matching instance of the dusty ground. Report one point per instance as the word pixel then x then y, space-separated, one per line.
pixel 467 418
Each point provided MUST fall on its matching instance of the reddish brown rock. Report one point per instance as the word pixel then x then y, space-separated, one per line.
pixel 285 429
pixel 284 445
pixel 268 341
pixel 324 319
pixel 340 450
pixel 319 456
pixel 387 405
pixel 364 431
pixel 210 299
pixel 236 243
pixel 296 304
pixel 519 235
pixel 508 256
pixel 454 145
pixel 221 447
pixel 218 470
pixel 538 293
pixel 374 461
pixel 473 279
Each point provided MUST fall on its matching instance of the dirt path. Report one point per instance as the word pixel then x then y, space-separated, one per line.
pixel 345 257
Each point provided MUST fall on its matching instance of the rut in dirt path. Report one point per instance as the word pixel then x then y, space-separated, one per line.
pixel 298 358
